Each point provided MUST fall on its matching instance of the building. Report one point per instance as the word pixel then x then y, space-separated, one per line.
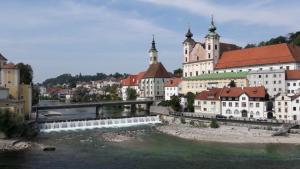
pixel 292 82
pixel 172 87
pixel 152 83
pixel 272 80
pixel 249 102
pixel 271 57
pixel 208 101
pixel 287 107
pixel 213 80
pixel 201 58
pixel 131 81
pixel 15 96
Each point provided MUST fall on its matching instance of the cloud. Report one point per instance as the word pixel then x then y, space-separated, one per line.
pixel 261 12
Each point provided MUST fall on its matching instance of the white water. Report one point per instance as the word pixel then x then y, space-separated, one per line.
pixel 103 123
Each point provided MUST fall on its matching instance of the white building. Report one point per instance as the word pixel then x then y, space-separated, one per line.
pixel 287 107
pixel 292 82
pixel 132 81
pixel 152 83
pixel 272 80
pixel 172 87
pixel 247 102
pixel 208 101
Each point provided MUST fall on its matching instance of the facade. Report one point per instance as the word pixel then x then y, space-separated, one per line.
pixel 287 107
pixel 172 87
pixel 213 80
pixel 201 58
pixel 248 102
pixel 208 101
pixel 10 78
pixel 272 80
pixel 292 82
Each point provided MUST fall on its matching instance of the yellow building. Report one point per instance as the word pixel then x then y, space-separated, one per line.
pixel 197 84
pixel 13 96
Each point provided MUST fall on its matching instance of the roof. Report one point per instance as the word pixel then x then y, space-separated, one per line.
pixel 210 94
pixel 295 96
pixel 9 66
pixel 2 57
pixel 259 92
pixel 132 80
pixel 217 76
pixel 173 82
pixel 292 74
pixel 156 70
pixel 272 54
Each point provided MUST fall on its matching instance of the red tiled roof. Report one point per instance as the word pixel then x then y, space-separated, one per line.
pixel 292 74
pixel 173 82
pixel 250 91
pixel 272 54
pixel 156 70
pixel 9 66
pixel 132 80
pixel 210 94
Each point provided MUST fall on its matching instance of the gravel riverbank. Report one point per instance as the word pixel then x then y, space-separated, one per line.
pixel 13 145
pixel 227 134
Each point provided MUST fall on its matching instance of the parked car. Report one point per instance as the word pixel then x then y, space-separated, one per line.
pixel 220 116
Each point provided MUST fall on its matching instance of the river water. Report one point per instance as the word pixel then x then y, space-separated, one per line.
pixel 149 149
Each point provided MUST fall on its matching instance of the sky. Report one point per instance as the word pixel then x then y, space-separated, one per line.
pixel 90 36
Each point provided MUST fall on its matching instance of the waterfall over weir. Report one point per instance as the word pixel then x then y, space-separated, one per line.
pixel 101 123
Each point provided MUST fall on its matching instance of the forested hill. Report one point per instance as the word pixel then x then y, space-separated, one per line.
pixel 71 80
pixel 289 38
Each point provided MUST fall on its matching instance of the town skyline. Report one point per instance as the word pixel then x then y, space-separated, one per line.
pixel 55 33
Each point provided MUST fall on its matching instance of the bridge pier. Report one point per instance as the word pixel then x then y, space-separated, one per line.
pixel 148 107
pixel 99 110
pixel 133 108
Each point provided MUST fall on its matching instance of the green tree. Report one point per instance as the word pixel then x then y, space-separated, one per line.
pixel 190 101
pixel 131 94
pixel 81 95
pixel 26 73
pixel 178 72
pixel 232 83
pixel 11 124
pixel 214 123
pixel 35 94
pixel 175 103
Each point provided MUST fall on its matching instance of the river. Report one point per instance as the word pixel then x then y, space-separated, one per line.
pixel 149 149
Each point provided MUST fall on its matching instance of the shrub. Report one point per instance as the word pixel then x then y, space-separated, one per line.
pixel 11 124
pixel 192 123
pixel 214 123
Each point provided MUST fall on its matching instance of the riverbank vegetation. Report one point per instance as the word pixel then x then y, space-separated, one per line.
pixel 174 103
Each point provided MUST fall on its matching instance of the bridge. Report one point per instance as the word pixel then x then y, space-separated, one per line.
pixel 98 105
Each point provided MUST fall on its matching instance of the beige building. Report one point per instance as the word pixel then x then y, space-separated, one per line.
pixel 287 107
pixel 213 80
pixel 208 101
pixel 14 96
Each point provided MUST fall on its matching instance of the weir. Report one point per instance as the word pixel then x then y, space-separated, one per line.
pixel 101 123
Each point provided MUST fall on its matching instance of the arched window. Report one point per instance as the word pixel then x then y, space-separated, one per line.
pixel 236 112
pixel 257 113
pixel 228 111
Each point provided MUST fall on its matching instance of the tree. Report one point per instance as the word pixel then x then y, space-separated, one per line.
pixel 35 94
pixel 26 73
pixel 232 83
pixel 81 95
pixel 175 103
pixel 131 94
pixel 11 124
pixel 251 45
pixel 178 72
pixel 190 101
pixel 214 123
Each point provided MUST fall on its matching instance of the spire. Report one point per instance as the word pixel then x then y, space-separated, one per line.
pixel 189 34
pixel 212 27
pixel 153 48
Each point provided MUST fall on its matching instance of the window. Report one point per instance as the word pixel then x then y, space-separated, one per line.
pixel 285 103
pixel 286 110
pixel 266 76
pixel 279 82
pixel 204 102
pixel 236 104
pixel 297 101
pixel 185 51
pixel 224 104
pixel 257 104
pixel 259 76
pixel 196 73
pixel 208 55
pixel 186 59
pixel 274 82
pixel 208 47
pixel 244 104
pixel 230 104
pixel 236 112
pixel 288 84
pixel 216 47
pixel 243 98
pixel 282 98
pixel 279 109
pixel 294 108
pixel 294 84
pixel 257 113
pixel 251 104
pixel 185 74
pixel 260 68
pixel 191 74
pixel 274 75
pixel 228 111
pixel 287 67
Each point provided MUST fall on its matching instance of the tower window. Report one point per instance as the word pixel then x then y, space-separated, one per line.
pixel 208 55
pixel 208 46
pixel 216 47
pixel 186 59
pixel 197 57
pixel 185 51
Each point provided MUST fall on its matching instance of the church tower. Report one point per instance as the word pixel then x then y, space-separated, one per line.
pixel 188 45
pixel 153 53
pixel 212 43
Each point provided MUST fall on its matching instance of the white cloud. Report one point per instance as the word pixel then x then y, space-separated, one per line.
pixel 262 12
